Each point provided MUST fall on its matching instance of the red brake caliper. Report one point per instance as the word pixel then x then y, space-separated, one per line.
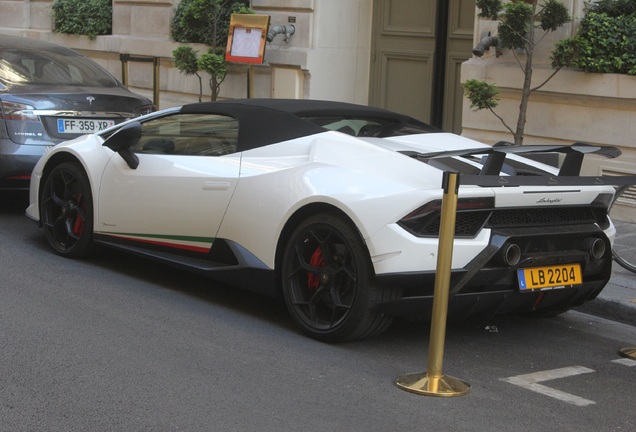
pixel 313 280
pixel 78 225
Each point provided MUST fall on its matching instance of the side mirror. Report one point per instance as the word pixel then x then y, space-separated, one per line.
pixel 122 140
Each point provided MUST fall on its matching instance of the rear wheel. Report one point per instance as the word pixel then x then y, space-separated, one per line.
pixel 327 280
pixel 66 208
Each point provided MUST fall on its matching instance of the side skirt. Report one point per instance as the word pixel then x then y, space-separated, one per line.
pixel 227 262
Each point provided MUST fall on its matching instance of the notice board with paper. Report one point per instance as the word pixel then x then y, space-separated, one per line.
pixel 246 38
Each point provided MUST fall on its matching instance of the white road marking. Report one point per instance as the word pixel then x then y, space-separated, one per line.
pixel 529 381
pixel 625 362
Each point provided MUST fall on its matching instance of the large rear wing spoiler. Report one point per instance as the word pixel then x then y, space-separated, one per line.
pixel 489 176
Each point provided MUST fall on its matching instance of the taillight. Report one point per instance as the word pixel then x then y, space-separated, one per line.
pixel 472 214
pixel 17 111
pixel 22 125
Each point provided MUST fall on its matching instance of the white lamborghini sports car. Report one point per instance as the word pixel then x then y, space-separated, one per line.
pixel 333 206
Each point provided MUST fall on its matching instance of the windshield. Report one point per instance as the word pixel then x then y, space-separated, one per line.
pixel 60 67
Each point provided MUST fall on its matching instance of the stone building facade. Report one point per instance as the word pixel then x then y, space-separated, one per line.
pixel 573 106
pixel 330 48
pixel 330 56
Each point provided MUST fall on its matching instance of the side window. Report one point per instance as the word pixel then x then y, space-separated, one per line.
pixel 189 134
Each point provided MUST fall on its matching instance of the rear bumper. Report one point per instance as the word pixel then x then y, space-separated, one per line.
pixel 16 164
pixel 486 304
pixel 488 286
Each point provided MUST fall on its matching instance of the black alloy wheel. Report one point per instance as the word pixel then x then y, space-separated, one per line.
pixel 327 280
pixel 66 209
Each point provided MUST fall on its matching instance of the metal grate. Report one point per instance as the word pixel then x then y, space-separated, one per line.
pixel 469 223
pixel 540 216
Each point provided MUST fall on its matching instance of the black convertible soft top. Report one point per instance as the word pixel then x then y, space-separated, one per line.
pixel 268 121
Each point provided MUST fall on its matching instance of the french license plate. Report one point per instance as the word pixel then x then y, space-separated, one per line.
pixel 550 277
pixel 82 126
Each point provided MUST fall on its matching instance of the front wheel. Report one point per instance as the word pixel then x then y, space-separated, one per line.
pixel 327 281
pixel 66 209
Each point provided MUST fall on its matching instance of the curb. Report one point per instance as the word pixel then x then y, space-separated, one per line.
pixel 613 310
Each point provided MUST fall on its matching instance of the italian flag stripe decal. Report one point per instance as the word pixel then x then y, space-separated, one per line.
pixel 194 244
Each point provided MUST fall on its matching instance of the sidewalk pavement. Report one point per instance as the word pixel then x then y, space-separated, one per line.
pixel 617 301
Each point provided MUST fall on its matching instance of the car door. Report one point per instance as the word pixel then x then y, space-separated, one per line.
pixel 177 196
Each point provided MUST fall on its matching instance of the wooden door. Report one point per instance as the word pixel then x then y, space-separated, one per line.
pixel 459 46
pixel 418 47
pixel 403 56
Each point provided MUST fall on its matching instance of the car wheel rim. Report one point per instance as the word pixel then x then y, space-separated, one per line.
pixel 323 280
pixel 64 209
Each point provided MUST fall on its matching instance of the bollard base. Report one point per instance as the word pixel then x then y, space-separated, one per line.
pixel 629 352
pixel 421 383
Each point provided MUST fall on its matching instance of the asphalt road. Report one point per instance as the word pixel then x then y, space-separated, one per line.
pixel 121 344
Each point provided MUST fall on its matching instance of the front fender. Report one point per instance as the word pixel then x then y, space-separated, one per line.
pixel 87 150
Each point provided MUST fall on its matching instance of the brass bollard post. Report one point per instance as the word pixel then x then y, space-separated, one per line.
pixel 156 81
pixel 124 69
pixel 433 382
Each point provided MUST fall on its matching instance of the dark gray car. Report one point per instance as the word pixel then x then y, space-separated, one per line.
pixel 50 94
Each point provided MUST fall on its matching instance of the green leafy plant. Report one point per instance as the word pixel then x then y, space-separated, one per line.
pixel 206 22
pixel 484 95
pixel 83 17
pixel 522 26
pixel 186 60
pixel 606 40
pixel 213 63
pixel 614 8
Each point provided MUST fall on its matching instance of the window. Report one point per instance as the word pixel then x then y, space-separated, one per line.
pixel 52 68
pixel 189 134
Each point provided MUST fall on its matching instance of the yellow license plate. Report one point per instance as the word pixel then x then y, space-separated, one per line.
pixel 550 277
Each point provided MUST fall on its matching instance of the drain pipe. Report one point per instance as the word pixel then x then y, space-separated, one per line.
pixel 485 44
pixel 287 30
